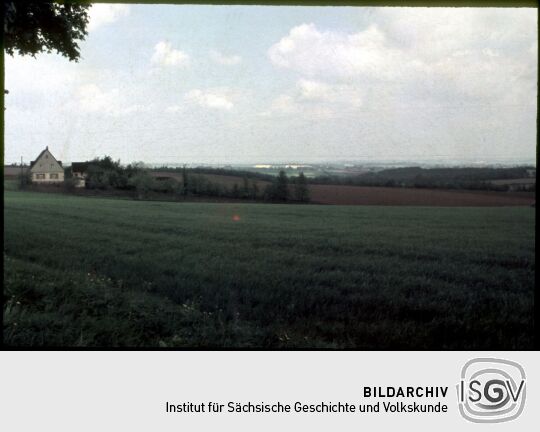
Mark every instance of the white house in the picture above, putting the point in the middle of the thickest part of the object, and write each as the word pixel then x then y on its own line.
pixel 46 169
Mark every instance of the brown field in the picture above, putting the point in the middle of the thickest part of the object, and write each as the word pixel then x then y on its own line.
pixel 524 181
pixel 360 195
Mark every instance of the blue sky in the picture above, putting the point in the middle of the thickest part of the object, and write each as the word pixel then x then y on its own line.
pixel 252 84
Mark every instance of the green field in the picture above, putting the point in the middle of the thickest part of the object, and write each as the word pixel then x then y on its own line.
pixel 104 272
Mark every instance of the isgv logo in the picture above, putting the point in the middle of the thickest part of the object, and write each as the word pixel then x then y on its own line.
pixel 491 390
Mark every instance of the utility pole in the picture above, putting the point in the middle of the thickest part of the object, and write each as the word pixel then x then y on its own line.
pixel 22 173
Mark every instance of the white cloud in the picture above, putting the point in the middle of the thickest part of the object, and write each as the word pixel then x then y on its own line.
pixel 174 109
pixel 224 59
pixel 213 98
pixel 318 91
pixel 166 55
pixel 286 105
pixel 51 73
pixel 442 55
pixel 102 14
pixel 316 100
pixel 312 53
pixel 92 99
pixel 314 90
pixel 438 32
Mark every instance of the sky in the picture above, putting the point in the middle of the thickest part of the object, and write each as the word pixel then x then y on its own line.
pixel 270 84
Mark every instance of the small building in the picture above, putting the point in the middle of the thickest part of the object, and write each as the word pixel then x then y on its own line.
pixel 13 171
pixel 46 169
pixel 531 172
pixel 79 171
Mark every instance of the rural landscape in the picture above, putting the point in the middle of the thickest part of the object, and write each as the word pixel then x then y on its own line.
pixel 112 240
pixel 90 268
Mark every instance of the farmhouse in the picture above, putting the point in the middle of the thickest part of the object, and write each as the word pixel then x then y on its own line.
pixel 46 169
pixel 79 171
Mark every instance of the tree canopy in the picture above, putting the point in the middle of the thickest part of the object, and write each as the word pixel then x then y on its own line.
pixel 32 27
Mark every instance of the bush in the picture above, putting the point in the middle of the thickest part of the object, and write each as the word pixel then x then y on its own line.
pixel 24 179
pixel 70 183
pixel 143 183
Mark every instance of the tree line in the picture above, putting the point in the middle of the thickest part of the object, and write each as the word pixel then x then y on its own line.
pixel 433 178
pixel 107 174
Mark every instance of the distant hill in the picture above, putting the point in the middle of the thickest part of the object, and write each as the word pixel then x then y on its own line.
pixel 446 178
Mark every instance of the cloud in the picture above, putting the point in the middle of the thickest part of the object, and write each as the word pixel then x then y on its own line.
pixel 213 99
pixel 417 55
pixel 438 32
pixel 166 55
pixel 50 74
pixel 174 109
pixel 319 91
pixel 314 90
pixel 312 53
pixel 286 105
pixel 102 14
pixel 314 99
pixel 92 99
pixel 225 60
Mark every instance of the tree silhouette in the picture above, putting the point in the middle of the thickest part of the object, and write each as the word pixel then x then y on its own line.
pixel 282 186
pixel 301 192
pixel 32 27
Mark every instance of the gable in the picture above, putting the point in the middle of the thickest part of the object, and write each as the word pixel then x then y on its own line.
pixel 46 163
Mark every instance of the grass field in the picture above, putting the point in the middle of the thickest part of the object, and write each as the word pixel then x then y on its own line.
pixel 104 272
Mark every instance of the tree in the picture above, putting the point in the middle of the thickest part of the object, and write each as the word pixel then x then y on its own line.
pixel 245 187
pixel 32 27
pixel 143 183
pixel 301 192
pixel 235 192
pixel 185 181
pixel 254 190
pixel 282 186
pixel 70 183
pixel 24 178
pixel 279 189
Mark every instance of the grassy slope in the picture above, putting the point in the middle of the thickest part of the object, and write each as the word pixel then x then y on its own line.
pixel 88 271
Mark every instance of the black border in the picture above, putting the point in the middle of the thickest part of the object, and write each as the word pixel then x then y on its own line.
pixel 357 3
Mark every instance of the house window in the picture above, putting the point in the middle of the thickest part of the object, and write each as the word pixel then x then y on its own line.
pixel 53 176
pixel 40 176
pixel 52 166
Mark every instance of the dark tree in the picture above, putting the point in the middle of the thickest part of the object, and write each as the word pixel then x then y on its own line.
pixel 32 27
pixel 245 188
pixel 282 186
pixel 254 190
pixel 279 189
pixel 185 181
pixel 301 192
pixel 235 191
